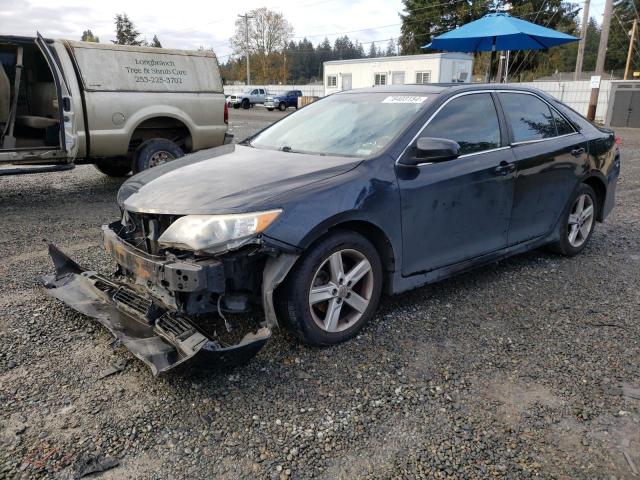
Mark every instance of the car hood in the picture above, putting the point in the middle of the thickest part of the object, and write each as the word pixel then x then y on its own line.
pixel 232 178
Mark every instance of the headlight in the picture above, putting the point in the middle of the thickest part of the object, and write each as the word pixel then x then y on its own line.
pixel 215 232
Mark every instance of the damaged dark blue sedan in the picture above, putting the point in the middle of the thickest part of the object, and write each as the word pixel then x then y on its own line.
pixel 306 223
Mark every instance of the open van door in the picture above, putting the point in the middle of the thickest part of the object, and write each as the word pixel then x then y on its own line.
pixel 68 132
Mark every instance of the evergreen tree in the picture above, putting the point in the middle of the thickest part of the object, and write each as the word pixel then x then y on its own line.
pixel 88 36
pixel 126 33
pixel 426 18
pixel 391 48
pixel 373 53
pixel 618 45
pixel 155 42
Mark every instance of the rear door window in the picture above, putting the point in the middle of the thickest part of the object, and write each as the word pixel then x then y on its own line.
pixel 530 118
pixel 562 125
pixel 470 120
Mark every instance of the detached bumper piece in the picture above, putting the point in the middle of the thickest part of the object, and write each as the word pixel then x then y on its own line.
pixel 161 338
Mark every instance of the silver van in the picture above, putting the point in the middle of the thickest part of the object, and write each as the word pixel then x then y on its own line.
pixel 122 108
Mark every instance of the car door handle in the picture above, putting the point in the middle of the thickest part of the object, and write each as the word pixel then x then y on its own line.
pixel 504 168
pixel 576 152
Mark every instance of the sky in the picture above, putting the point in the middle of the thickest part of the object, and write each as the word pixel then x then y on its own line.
pixel 190 24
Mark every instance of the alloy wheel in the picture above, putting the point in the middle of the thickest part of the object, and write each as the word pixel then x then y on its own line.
pixel 160 157
pixel 580 220
pixel 341 290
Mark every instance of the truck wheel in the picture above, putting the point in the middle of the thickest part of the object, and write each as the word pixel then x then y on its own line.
pixel 282 107
pixel 246 104
pixel 114 167
pixel 154 152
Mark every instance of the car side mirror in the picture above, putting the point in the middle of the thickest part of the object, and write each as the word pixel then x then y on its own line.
pixel 432 150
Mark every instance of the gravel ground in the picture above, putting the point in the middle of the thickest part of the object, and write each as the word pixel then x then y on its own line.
pixel 525 368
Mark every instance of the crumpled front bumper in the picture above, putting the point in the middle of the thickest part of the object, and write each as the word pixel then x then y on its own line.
pixel 160 337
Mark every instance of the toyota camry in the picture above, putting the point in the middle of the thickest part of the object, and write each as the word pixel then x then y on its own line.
pixel 306 223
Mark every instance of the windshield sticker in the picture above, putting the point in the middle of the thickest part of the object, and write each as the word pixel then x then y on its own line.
pixel 404 99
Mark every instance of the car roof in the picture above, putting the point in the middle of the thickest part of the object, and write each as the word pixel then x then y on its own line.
pixel 437 88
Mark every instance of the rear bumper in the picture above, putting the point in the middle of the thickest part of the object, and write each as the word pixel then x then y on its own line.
pixel 158 335
pixel 612 181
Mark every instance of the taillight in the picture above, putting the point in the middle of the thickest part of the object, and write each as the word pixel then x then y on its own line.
pixel 226 113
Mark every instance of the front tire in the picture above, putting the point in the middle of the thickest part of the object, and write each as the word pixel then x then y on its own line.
pixel 114 167
pixel 333 290
pixel 246 104
pixel 577 223
pixel 282 107
pixel 154 152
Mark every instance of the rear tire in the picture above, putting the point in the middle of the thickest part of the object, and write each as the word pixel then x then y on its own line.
pixel 333 290
pixel 154 152
pixel 577 223
pixel 114 167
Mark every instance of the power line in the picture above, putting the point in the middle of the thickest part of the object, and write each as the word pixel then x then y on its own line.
pixel 349 31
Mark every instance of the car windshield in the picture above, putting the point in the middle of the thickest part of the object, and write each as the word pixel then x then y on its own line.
pixel 355 124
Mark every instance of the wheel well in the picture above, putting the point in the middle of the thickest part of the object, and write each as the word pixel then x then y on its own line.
pixel 601 193
pixel 161 127
pixel 376 236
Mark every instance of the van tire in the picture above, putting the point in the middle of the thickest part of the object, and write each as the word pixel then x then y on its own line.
pixel 155 151
pixel 246 104
pixel 114 167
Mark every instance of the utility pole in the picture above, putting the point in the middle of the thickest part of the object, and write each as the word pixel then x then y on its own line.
pixel 583 40
pixel 602 53
pixel 634 29
pixel 246 18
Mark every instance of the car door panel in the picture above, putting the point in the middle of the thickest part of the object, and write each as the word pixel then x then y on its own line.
pixel 455 210
pixel 547 174
pixel 548 154
pixel 458 209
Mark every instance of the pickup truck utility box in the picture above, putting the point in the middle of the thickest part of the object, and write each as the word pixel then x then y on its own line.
pixel 122 108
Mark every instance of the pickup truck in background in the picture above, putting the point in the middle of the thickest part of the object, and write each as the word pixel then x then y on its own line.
pixel 122 108
pixel 249 97
pixel 284 101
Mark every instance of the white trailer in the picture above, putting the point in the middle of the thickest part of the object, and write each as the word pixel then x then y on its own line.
pixel 366 72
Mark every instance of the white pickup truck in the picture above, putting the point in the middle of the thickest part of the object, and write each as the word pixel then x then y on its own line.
pixel 249 97
pixel 121 108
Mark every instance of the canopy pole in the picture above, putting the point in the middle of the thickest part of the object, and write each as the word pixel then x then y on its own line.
pixel 492 61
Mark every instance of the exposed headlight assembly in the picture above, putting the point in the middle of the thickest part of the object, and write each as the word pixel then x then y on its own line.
pixel 215 233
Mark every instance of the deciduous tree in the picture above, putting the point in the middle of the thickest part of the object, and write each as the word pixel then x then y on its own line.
pixel 268 33
pixel 88 36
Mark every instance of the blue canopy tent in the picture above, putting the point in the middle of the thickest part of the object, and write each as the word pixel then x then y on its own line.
pixel 499 31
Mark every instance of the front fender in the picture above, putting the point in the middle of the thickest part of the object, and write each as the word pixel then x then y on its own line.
pixel 368 194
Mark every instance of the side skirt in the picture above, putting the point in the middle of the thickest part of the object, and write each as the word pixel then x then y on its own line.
pixel 401 284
